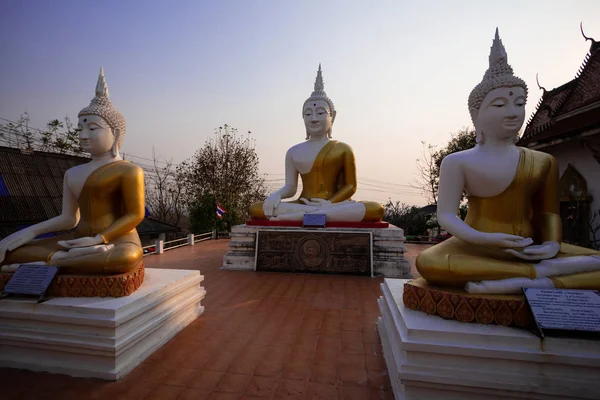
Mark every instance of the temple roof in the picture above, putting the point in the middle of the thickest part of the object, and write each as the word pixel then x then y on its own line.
pixel 571 108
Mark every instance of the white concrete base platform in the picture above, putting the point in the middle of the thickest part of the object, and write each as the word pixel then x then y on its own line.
pixel 432 358
pixel 97 337
pixel 388 248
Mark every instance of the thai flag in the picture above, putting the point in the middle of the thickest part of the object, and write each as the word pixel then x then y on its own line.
pixel 220 211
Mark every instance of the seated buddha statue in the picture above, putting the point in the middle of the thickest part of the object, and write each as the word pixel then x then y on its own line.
pixel 327 169
pixel 103 200
pixel 511 237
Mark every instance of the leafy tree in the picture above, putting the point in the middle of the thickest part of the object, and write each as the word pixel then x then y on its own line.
pixel 430 163
pixel 58 137
pixel 226 170
pixel 410 218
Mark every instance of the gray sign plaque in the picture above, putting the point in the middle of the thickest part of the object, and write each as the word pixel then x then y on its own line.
pixel 31 280
pixel 564 312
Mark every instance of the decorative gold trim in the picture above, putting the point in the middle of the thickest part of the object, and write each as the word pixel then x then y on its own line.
pixel 92 285
pixel 456 304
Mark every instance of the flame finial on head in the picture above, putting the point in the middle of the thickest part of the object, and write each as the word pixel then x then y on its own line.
pixel 101 86
pixel 103 107
pixel 497 51
pixel 319 92
pixel 319 87
pixel 499 74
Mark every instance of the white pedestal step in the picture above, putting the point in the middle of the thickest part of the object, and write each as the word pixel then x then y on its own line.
pixel 432 358
pixel 97 337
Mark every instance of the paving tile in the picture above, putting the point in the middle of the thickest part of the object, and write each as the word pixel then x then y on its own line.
pixel 194 394
pixel 353 376
pixel 353 348
pixel 233 383
pixel 352 336
pixel 223 396
pixel 379 380
pixel 381 395
pixel 245 365
pixel 370 335
pixel 354 393
pixel 206 380
pixel 220 361
pixel 321 391
pixel 372 349
pixel 352 361
pixel 180 377
pixel 164 392
pixel 324 374
pixel 269 368
pixel 297 371
pixel 260 386
pixel 375 363
pixel 291 390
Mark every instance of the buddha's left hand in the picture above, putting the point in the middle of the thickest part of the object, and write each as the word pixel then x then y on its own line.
pixel 82 242
pixel 322 203
pixel 542 251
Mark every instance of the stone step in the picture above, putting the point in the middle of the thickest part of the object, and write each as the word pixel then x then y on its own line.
pixel 96 337
pixel 433 358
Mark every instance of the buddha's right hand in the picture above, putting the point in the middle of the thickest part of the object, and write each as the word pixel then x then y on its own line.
pixel 503 240
pixel 14 241
pixel 271 203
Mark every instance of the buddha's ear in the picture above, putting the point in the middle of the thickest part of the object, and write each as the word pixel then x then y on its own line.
pixel 473 112
pixel 115 146
pixel 333 114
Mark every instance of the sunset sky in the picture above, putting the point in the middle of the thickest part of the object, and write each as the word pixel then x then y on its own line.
pixel 398 72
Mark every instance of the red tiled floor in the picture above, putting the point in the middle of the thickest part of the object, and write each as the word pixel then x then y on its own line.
pixel 263 335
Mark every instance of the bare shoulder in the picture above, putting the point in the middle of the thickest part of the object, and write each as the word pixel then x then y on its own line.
pixel 295 148
pixel 458 159
pixel 76 169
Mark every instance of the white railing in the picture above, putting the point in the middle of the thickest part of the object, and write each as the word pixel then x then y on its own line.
pixel 203 236
pixel 161 246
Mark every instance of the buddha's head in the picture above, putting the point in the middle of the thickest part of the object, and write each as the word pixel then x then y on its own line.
pixel 497 103
pixel 102 127
pixel 318 111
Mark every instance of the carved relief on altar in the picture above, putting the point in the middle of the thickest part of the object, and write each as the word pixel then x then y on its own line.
pixel 337 252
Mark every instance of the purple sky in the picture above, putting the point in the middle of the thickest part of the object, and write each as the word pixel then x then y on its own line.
pixel 397 72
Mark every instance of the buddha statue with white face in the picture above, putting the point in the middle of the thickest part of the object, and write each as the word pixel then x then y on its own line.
pixel 512 235
pixel 327 169
pixel 103 200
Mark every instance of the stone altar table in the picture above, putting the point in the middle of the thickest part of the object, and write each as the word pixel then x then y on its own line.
pixel 387 247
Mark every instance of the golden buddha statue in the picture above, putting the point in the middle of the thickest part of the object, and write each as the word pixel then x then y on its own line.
pixel 512 235
pixel 327 169
pixel 103 200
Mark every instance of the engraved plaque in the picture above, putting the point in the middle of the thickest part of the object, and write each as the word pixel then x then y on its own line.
pixel 333 252
pixel 31 280
pixel 563 312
